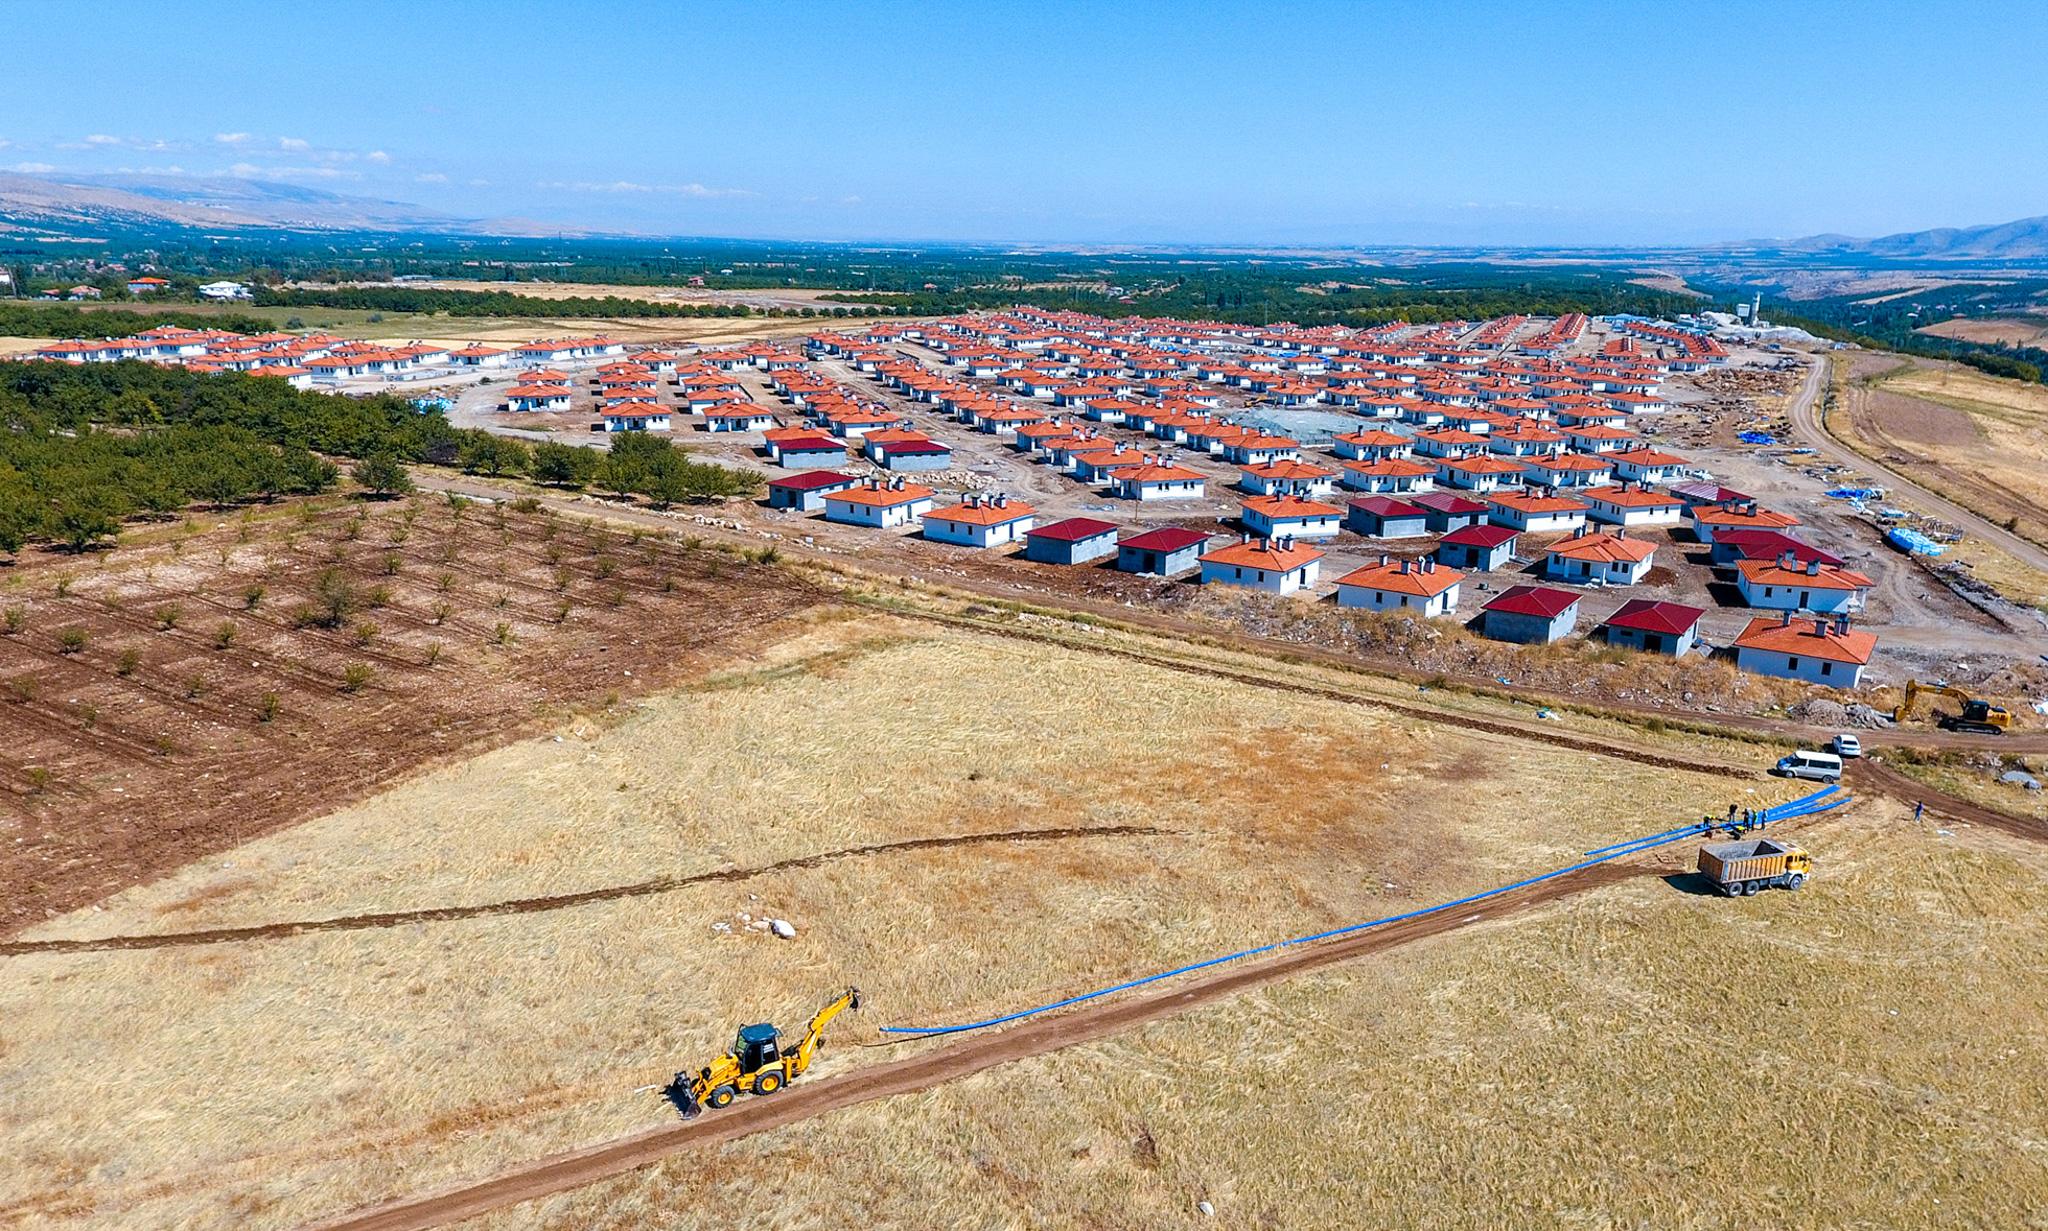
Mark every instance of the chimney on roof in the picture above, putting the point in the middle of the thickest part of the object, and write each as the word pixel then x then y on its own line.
pixel 1404 565
pixel 1383 559
pixel 1820 627
pixel 1812 566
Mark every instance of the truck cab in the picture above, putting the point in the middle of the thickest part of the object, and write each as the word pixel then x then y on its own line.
pixel 757 1047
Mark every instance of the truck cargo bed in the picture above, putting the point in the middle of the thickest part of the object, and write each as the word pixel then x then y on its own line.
pixel 1742 861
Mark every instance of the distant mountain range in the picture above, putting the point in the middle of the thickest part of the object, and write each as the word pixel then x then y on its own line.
pixel 2026 239
pixel 84 203
pixel 93 204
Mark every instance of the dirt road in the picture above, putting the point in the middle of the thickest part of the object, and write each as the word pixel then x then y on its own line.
pixel 1871 778
pixel 1807 425
pixel 925 1070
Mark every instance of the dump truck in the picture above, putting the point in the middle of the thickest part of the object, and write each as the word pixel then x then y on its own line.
pixel 1977 717
pixel 1738 869
pixel 757 1063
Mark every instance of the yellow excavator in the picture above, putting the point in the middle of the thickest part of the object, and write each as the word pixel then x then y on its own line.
pixel 757 1063
pixel 1979 716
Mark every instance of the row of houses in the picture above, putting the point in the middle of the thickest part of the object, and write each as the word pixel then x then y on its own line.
pixel 1824 650
pixel 308 358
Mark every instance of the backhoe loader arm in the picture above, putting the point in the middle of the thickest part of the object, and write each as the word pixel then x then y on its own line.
pixel 814 1034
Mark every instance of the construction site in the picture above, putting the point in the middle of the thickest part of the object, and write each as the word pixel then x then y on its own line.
pixel 931 908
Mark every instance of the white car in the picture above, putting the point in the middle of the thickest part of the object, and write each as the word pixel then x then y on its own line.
pixel 1847 746
pixel 1813 766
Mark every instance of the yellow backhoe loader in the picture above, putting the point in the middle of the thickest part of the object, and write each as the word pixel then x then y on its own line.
pixel 757 1063
pixel 1978 716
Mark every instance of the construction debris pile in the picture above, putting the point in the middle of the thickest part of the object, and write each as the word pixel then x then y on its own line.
pixel 1834 715
pixel 1746 382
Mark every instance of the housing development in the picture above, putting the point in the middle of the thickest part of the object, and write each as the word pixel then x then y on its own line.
pixel 1090 618
pixel 1291 460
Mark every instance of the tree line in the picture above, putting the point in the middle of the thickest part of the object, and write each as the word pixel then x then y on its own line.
pixel 84 448
pixel 1258 300
pixel 1893 328
pixel 29 320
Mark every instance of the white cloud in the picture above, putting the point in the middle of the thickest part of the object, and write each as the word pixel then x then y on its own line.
pixel 101 141
pixel 294 144
pixel 431 177
pixel 33 168
pixel 379 157
pixel 232 138
pixel 683 190
pixel 250 171
pixel 479 183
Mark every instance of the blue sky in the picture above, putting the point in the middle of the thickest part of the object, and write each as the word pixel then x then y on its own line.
pixel 1256 123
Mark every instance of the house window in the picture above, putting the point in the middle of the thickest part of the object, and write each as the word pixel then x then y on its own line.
pixel 1791 664
pixel 1827 668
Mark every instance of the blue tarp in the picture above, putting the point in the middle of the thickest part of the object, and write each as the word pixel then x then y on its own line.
pixel 1914 542
pixel 1755 438
pixel 1853 493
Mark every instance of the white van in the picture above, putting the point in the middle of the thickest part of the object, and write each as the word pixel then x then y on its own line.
pixel 1818 766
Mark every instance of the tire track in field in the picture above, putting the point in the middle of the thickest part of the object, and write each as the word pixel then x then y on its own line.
pixel 802 1101
pixel 560 901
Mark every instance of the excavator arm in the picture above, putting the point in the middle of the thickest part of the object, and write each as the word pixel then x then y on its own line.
pixel 814 1034
pixel 1975 714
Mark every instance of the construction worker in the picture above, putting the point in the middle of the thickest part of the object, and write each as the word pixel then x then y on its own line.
pixel 1919 806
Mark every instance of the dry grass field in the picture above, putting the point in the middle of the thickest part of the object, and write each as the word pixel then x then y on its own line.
pixel 1864 1054
pixel 1973 438
pixel 263 1082
pixel 2005 330
pixel 2003 422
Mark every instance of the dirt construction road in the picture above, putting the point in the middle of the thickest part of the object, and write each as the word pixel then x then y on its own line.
pixel 911 1074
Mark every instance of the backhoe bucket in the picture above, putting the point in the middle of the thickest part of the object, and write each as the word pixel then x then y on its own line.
pixel 681 1093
